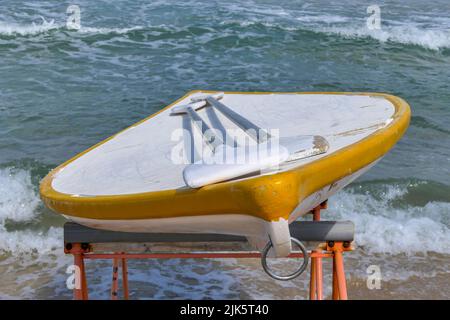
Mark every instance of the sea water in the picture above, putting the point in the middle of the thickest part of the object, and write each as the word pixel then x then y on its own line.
pixel 65 88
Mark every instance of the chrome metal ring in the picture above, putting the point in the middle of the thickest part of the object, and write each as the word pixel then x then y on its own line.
pixel 290 276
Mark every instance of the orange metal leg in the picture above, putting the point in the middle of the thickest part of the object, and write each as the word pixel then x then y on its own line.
pixel 125 278
pixel 316 281
pixel 316 213
pixel 80 291
pixel 335 283
pixel 312 280
pixel 84 280
pixel 340 274
pixel 319 278
pixel 115 280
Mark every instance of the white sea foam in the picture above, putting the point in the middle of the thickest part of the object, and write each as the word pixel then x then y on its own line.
pixel 18 199
pixel 406 34
pixel 11 29
pixel 323 18
pixel 433 39
pixel 384 228
pixel 27 241
pixel 108 30
pixel 18 203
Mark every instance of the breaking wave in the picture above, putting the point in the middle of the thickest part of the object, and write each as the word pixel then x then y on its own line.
pixel 386 225
pixel 19 204
pixel 47 26
pixel 407 35
pixel 28 241
pixel 18 199
pixel 25 30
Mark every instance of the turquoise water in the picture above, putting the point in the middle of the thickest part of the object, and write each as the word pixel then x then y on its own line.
pixel 63 90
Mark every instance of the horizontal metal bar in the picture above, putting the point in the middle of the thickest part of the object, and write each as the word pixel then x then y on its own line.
pixel 302 230
pixel 323 230
pixel 194 255
pixel 76 233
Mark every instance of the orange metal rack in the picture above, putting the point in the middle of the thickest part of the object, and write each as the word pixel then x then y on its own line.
pixel 333 249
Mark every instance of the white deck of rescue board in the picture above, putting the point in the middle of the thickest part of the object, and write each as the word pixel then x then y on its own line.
pixel 138 159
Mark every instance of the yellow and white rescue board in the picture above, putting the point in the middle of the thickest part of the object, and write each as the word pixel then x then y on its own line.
pixel 129 182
